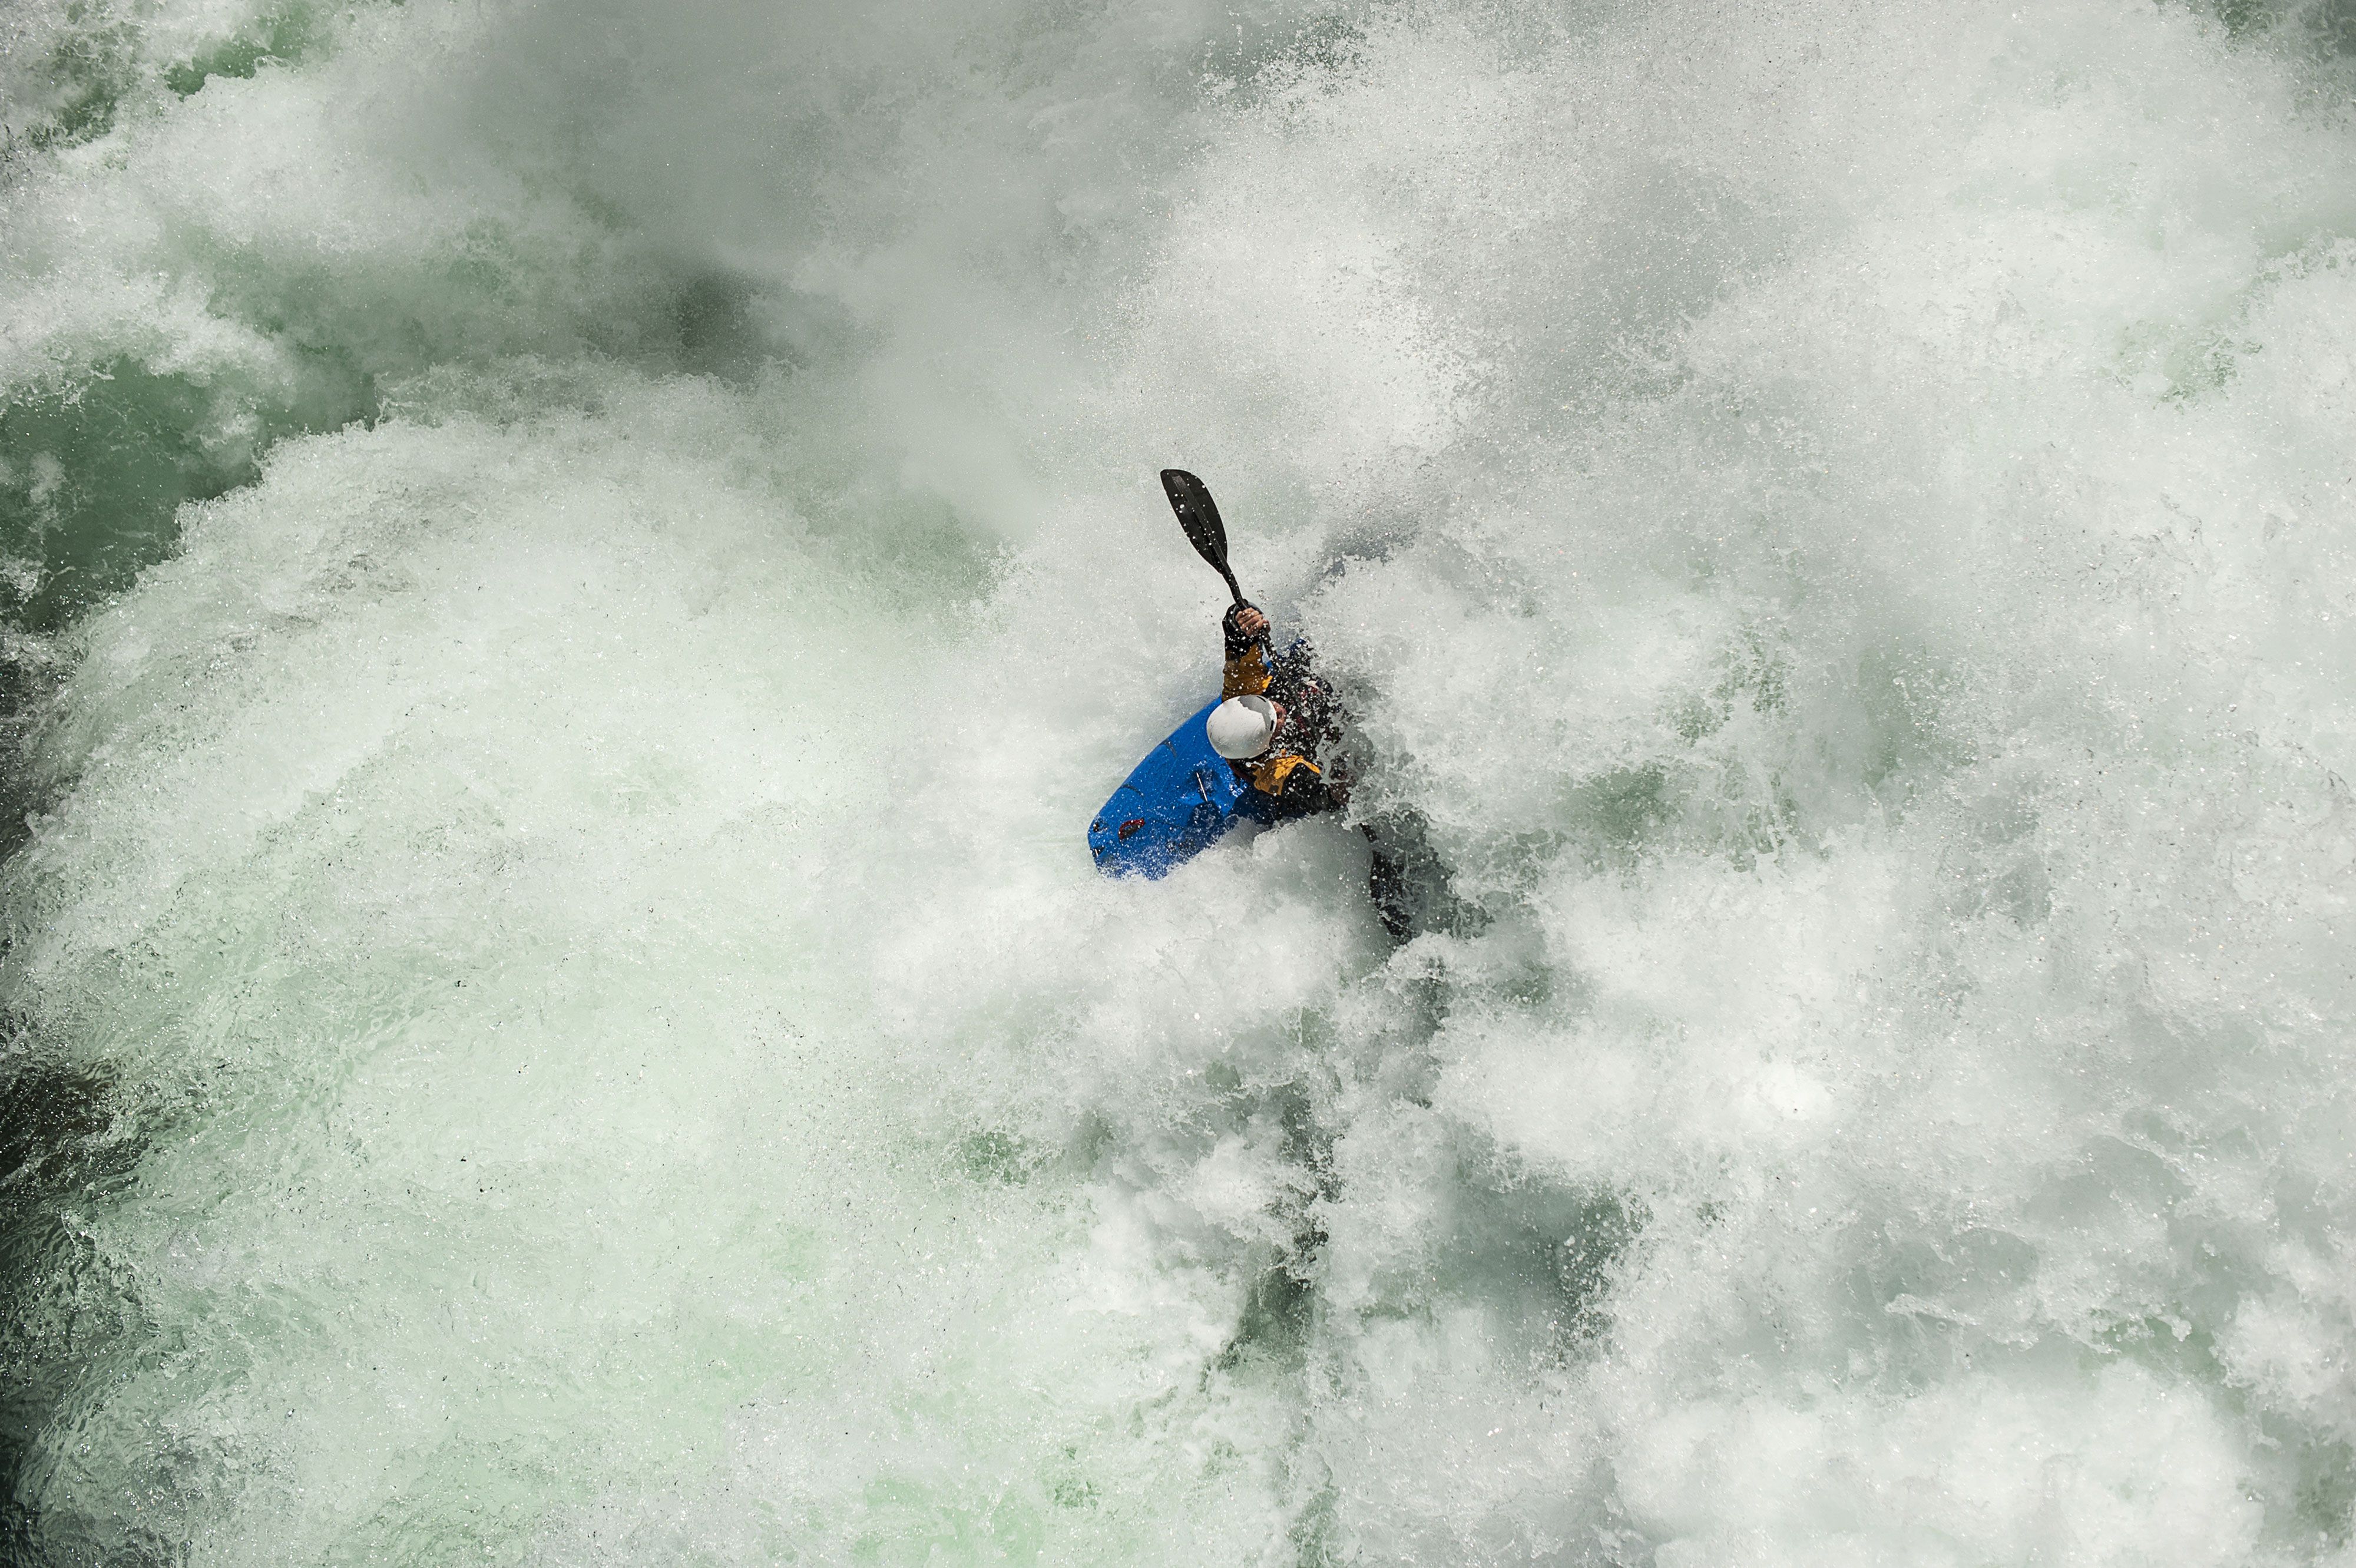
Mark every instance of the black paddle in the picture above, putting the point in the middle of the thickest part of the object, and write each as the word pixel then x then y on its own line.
pixel 1198 514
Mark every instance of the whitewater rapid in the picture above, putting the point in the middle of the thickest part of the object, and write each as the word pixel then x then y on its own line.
pixel 573 574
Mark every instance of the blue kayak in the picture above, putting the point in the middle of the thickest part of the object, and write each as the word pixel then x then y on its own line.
pixel 1172 807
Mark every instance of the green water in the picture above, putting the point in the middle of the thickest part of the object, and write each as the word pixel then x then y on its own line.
pixel 573 574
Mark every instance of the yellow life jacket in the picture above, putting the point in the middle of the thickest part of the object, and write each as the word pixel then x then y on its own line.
pixel 1267 774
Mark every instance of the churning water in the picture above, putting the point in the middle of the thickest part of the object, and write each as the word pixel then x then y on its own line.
pixel 575 574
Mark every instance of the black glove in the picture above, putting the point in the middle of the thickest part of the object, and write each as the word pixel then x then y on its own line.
pixel 1237 640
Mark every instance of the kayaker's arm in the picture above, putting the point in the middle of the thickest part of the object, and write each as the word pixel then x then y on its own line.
pixel 1247 674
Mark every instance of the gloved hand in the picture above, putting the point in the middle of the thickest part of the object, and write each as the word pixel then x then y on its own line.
pixel 1244 624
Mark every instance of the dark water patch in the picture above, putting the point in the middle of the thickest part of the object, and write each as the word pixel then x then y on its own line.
pixel 99 62
pixel 1000 1159
pixel 1412 885
pixel 717 332
pixel 92 68
pixel 2332 25
pixel 2323 1493
pixel 1602 1225
pixel 285 34
pixel 91 483
pixel 2328 26
pixel 1621 810
pixel 63 1143
pixel 1264 56
pixel 1903 698
pixel 1542 1255
pixel 1280 1306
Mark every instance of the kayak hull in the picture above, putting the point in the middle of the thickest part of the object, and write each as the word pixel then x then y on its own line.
pixel 1176 803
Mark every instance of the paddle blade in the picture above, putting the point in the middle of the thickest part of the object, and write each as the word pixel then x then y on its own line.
pixel 1198 514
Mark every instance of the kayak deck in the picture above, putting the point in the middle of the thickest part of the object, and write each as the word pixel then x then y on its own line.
pixel 1173 805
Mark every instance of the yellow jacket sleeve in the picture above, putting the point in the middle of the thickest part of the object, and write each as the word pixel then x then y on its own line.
pixel 1247 674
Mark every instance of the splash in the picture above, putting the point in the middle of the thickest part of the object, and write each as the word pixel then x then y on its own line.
pixel 572 575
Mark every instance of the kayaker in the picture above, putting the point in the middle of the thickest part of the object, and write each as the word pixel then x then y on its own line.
pixel 1277 714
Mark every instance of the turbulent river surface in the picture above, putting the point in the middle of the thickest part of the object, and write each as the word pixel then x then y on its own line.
pixel 573 574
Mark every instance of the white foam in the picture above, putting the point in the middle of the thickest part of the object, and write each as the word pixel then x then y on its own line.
pixel 1836 522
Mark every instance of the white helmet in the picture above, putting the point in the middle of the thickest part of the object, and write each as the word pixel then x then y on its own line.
pixel 1241 727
